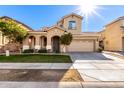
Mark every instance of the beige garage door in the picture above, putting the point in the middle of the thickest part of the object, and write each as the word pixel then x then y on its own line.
pixel 81 46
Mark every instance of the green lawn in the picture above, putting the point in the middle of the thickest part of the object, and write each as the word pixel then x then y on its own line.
pixel 38 58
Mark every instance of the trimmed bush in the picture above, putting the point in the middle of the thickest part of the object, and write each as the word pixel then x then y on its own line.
pixel 57 51
pixel 42 50
pixel 28 51
pixel 100 49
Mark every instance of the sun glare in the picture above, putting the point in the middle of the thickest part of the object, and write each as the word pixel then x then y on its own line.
pixel 87 9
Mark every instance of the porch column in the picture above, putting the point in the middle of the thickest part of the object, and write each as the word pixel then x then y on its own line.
pixel 42 42
pixel 37 42
pixel 25 44
pixel 96 45
pixel 49 47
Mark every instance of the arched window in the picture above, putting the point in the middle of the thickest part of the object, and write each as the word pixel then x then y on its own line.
pixel 72 25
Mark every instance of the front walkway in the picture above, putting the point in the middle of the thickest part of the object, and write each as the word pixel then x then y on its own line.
pixel 96 69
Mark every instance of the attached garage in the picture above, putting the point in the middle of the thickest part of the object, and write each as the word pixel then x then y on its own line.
pixel 81 46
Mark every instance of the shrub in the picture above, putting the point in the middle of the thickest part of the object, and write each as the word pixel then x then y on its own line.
pixel 28 51
pixel 42 50
pixel 57 51
pixel 100 49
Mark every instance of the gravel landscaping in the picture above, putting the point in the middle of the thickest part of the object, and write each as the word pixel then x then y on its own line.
pixel 45 75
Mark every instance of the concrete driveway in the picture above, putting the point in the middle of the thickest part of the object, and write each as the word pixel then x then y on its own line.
pixel 99 69
pixel 88 56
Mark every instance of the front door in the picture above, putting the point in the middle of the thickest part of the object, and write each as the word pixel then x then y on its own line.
pixel 56 44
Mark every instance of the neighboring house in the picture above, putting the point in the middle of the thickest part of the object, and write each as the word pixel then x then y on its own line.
pixel 112 38
pixel 113 35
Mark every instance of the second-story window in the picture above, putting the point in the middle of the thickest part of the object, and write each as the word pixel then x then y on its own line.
pixel 72 25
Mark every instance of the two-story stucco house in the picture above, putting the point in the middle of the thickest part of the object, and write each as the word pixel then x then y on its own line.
pixel 49 37
pixel 112 37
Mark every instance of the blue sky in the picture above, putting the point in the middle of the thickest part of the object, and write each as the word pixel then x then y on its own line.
pixel 47 15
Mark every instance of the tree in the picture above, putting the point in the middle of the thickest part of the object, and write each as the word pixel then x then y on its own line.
pixel 66 39
pixel 12 30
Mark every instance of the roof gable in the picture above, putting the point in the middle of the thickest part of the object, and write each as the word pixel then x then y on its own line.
pixel 6 17
pixel 73 14
pixel 69 15
pixel 55 26
pixel 120 18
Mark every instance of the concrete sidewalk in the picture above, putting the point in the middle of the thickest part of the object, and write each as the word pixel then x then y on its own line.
pixel 6 84
pixel 36 66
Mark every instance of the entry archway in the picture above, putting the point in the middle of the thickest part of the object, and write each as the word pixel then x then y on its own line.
pixel 43 41
pixel 31 42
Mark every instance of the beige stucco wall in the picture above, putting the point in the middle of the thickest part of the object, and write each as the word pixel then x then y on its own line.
pixel 78 21
pixel 113 36
pixel 37 36
pixel 49 34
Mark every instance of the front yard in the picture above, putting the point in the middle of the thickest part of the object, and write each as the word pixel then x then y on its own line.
pixel 38 58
